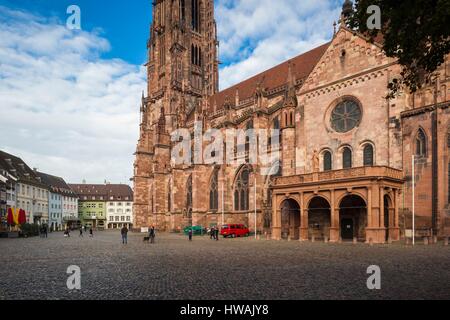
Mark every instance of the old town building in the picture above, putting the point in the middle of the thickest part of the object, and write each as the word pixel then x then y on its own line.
pixel 104 206
pixel 344 169
pixel 63 202
pixel 30 193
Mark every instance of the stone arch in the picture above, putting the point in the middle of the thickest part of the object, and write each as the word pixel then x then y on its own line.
pixel 319 217
pixel 290 219
pixel 389 214
pixel 353 216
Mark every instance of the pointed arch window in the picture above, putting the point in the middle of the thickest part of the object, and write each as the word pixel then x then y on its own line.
pixel 189 192
pixel 195 15
pixel 214 191
pixel 346 158
pixel 368 155
pixel 327 161
pixel 421 144
pixel 241 190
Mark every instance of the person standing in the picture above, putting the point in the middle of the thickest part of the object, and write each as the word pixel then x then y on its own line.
pixel 216 232
pixel 124 233
pixel 91 232
pixel 211 233
pixel 152 234
pixel 190 234
pixel 81 233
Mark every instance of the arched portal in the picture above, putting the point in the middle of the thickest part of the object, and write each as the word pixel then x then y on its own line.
pixel 353 218
pixel 290 219
pixel 388 215
pixel 319 218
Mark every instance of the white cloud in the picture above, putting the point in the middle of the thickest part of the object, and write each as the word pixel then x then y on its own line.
pixel 63 108
pixel 275 30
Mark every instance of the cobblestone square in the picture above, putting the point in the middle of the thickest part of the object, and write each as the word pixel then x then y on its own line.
pixel 175 268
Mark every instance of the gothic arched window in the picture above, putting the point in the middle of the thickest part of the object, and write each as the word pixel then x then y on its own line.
pixel 189 193
pixel 327 161
pixel 241 190
pixel 346 158
pixel 195 15
pixel 421 144
pixel 368 155
pixel 214 191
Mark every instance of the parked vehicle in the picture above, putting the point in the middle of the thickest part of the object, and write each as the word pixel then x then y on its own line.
pixel 234 230
pixel 196 230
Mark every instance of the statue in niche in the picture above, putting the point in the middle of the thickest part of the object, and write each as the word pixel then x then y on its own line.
pixel 315 161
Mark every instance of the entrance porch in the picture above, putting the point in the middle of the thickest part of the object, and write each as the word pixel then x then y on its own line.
pixel 351 204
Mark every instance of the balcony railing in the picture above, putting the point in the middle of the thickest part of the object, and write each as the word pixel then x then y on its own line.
pixel 344 174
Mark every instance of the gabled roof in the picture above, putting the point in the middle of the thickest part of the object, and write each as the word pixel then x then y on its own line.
pixel 16 167
pixel 103 192
pixel 56 184
pixel 273 78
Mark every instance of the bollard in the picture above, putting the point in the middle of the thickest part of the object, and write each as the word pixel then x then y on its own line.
pixel 340 240
pixel 446 241
pixel 313 239
pixel 355 240
pixel 289 238
pixel 435 239
pixel 371 242
pixel 425 241
pixel 408 242
pixel 325 239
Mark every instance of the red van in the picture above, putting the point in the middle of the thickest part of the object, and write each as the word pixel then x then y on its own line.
pixel 234 230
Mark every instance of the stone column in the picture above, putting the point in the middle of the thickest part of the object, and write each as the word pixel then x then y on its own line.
pixel 334 229
pixel 276 219
pixel 304 228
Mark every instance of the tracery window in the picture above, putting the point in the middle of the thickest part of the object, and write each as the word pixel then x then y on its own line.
pixel 346 116
pixel 189 192
pixel 421 144
pixel 241 190
pixel 214 191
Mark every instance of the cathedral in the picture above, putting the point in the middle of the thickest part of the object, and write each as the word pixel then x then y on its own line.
pixel 352 164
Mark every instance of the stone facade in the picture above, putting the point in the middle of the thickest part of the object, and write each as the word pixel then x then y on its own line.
pixel 343 150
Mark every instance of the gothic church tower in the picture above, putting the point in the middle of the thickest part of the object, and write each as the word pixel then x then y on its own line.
pixel 182 73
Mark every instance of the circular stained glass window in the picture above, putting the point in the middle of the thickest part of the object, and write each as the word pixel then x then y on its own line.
pixel 346 116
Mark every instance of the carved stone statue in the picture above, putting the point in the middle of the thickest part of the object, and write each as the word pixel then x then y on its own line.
pixel 315 161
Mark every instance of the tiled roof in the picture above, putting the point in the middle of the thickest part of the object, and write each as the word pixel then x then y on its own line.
pixel 273 78
pixel 103 192
pixel 16 167
pixel 56 184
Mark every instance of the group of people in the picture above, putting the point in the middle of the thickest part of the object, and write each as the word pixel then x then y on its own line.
pixel 214 233
pixel 91 232
pixel 151 234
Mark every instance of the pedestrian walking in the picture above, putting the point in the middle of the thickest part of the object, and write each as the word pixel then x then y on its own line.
pixel 91 232
pixel 216 233
pixel 45 231
pixel 152 234
pixel 211 233
pixel 81 233
pixel 124 233
pixel 190 234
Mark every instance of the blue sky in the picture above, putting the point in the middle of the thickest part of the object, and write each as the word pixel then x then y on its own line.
pixel 70 99
pixel 124 23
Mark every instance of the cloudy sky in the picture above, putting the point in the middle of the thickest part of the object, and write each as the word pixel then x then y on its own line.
pixel 69 99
